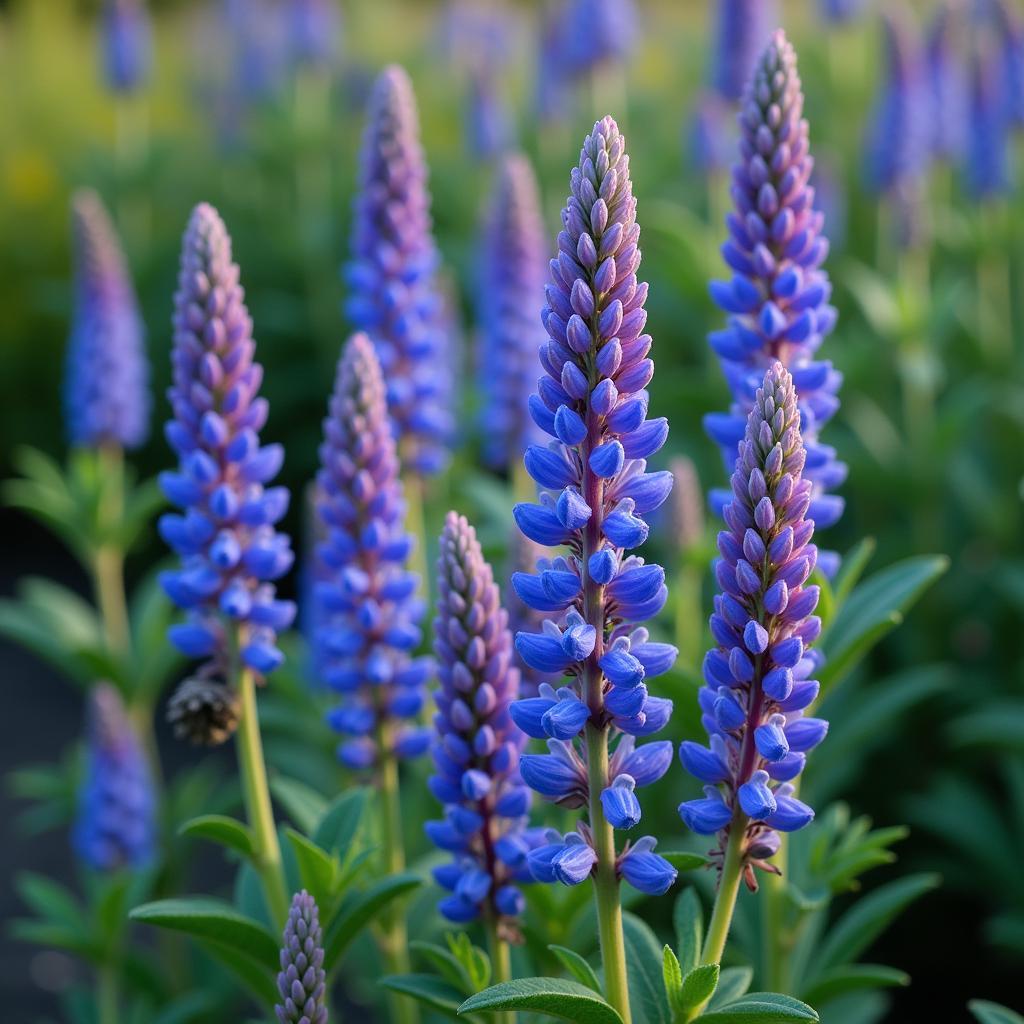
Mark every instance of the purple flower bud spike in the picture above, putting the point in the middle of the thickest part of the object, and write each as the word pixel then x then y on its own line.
pixel 513 263
pixel 778 298
pixel 127 44
pixel 115 823
pixel 476 745
pixel 595 493
pixel 392 293
pixel 302 981
pixel 756 679
pixel 988 137
pixel 225 533
pixel 106 386
pixel 367 613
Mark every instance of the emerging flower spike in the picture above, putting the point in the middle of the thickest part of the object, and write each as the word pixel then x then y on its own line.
pixel 230 551
pixel 391 277
pixel 595 494
pixel 476 745
pixel 106 386
pixel 302 981
pixel 367 618
pixel 777 300
pixel 741 27
pixel 513 263
pixel 115 824
pixel 126 44
pixel 757 678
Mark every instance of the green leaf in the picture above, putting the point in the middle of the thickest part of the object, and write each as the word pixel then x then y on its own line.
pixel 55 936
pixel 854 978
pixel 219 828
pixel 577 966
pixel 999 725
pixel 688 921
pixel 992 1013
pixel 854 563
pixel 699 986
pixel 251 972
pixel 643 959
pixel 317 868
pixel 50 900
pixel 337 828
pixel 555 997
pixel 875 607
pixel 868 918
pixel 305 806
pixel 360 910
pixel 445 963
pixel 475 962
pixel 187 1008
pixel 760 1008
pixel 683 860
pixel 434 992
pixel 207 918
pixel 732 983
pixel 672 976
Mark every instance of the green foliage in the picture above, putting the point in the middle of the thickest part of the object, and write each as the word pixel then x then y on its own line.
pixel 552 997
pixel 992 1013
pixel 760 1008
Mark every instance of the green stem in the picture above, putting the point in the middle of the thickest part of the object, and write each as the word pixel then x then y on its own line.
pixel 728 890
pixel 501 966
pixel 606 884
pixel 107 994
pixel 775 938
pixel 416 524
pixel 394 939
pixel 108 557
pixel 689 621
pixel 256 792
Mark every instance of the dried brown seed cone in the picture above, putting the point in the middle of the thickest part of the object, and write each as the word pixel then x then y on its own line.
pixel 203 711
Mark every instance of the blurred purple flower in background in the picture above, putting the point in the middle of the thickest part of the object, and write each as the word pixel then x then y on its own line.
pixel 313 28
pixel 778 298
pixel 711 134
pixel 391 278
pixel 302 980
pixel 947 81
pixel 841 12
pixel 489 128
pixel 230 551
pixel 367 617
pixel 988 134
pixel 476 745
pixel 1009 30
pixel 597 32
pixel 127 44
pixel 106 377
pixel 115 823
pixel 741 28
pixel 513 262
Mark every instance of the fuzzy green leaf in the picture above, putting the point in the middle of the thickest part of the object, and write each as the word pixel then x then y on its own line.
pixel 445 963
pixel 577 966
pixel 643 959
pixel 688 921
pixel 732 983
pixel 761 1008
pixel 554 997
pixel 219 828
pixel 672 976
pixel 699 986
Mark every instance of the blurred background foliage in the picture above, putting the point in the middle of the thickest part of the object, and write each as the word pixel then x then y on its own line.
pixel 931 728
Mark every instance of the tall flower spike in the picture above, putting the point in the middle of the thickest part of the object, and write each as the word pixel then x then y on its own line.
pixel 512 259
pixel 740 29
pixel 947 85
pixel 230 551
pixel 367 615
pixel 595 493
pixel 127 44
pixel 988 139
pixel 757 678
pixel 313 27
pixel 476 745
pixel 391 277
pixel 777 300
pixel 597 32
pixel 115 823
pixel 106 386
pixel 302 980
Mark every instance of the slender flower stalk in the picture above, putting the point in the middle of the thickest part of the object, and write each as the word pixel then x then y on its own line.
pixel 757 679
pixel 593 403
pixel 115 825
pixel 476 748
pixel 230 551
pixel 391 276
pixel 777 298
pixel 302 980
pixel 367 618
pixel 512 272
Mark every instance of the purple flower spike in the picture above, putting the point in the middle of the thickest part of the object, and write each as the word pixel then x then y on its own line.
pixel 488 121
pixel 756 680
pixel 947 82
pixel 302 981
pixel 391 278
pixel 988 140
pixel 1009 31
pixel 313 27
pixel 367 613
pixel 106 386
pixel 595 493
pixel 115 824
pixel 513 263
pixel 597 32
pixel 476 746
pixel 226 537
pixel 777 300
pixel 841 12
pixel 741 26
pixel 127 44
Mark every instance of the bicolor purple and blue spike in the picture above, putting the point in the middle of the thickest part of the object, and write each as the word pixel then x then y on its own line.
pixel 225 531
pixel 391 278
pixel 476 745
pixel 758 676
pixel 367 613
pixel 595 493
pixel 777 300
